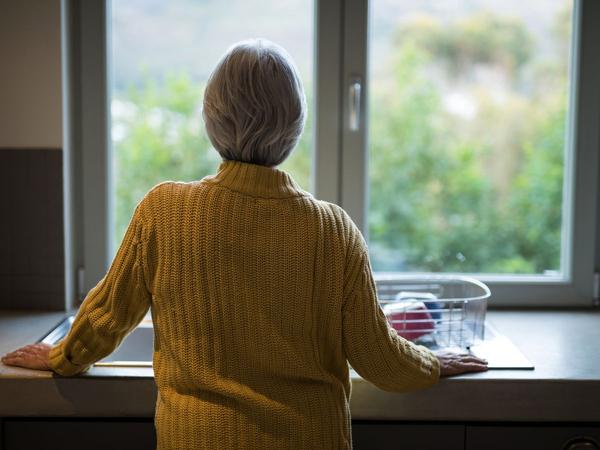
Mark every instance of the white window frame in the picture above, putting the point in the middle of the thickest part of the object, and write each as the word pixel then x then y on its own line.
pixel 340 157
pixel 575 287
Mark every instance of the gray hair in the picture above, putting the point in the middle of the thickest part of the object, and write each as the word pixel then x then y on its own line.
pixel 254 105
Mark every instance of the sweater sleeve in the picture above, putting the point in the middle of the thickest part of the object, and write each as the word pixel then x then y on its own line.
pixel 372 346
pixel 112 309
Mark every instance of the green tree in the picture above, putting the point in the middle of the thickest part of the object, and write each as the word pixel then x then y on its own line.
pixel 480 38
pixel 481 194
pixel 160 137
pixel 431 207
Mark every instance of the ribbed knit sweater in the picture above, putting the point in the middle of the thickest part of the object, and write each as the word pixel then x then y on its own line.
pixel 260 296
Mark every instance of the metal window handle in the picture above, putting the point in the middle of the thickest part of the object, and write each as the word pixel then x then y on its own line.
pixel 354 113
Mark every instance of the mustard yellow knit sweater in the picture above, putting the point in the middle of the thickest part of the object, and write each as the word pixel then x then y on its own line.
pixel 260 296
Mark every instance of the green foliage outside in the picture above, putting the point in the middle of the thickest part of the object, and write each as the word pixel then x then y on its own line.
pixel 447 194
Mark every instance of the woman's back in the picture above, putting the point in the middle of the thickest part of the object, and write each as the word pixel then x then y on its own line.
pixel 250 279
pixel 247 285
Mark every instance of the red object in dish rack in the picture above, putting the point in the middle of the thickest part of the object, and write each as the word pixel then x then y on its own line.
pixel 410 318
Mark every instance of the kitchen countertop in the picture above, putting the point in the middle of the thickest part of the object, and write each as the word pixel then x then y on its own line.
pixel 564 346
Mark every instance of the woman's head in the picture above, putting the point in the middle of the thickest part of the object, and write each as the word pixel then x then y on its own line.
pixel 254 105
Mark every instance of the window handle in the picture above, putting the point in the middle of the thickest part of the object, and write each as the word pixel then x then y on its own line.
pixel 354 113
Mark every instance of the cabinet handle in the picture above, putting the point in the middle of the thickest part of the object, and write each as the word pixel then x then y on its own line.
pixel 354 104
pixel 581 444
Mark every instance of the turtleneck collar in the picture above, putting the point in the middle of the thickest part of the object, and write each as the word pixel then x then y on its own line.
pixel 255 180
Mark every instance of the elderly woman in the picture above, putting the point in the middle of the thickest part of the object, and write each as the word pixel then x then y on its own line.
pixel 260 293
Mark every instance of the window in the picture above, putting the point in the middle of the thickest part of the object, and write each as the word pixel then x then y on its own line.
pixel 468 111
pixel 158 81
pixel 461 137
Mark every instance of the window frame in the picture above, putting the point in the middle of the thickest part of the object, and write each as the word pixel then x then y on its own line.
pixel 576 286
pixel 340 158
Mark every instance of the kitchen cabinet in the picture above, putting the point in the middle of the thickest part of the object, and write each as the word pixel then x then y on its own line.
pixel 77 434
pixel 134 434
pixel 533 437
pixel 368 435
pixel 138 433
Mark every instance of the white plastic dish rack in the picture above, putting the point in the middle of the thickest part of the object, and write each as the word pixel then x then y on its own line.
pixel 436 311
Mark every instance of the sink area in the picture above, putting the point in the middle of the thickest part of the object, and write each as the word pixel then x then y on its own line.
pixel 136 350
pixel 563 388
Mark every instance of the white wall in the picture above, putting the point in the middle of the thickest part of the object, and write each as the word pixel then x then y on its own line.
pixel 30 74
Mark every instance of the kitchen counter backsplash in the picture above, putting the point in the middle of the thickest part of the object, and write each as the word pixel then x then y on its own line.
pixel 31 229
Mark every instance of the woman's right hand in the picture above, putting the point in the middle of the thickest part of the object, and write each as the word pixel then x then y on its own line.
pixel 456 363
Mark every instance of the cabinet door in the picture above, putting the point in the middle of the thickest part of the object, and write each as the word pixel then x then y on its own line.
pixel 528 437
pixel 89 434
pixel 376 435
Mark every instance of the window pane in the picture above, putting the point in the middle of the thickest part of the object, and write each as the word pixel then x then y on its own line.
pixel 162 54
pixel 467 126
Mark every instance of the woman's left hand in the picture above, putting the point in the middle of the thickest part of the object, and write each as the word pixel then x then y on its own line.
pixel 32 356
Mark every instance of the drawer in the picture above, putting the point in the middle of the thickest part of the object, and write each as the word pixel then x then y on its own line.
pixel 383 435
pixel 529 437
pixel 89 434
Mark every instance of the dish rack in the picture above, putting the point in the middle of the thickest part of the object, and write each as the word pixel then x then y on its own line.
pixel 435 311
